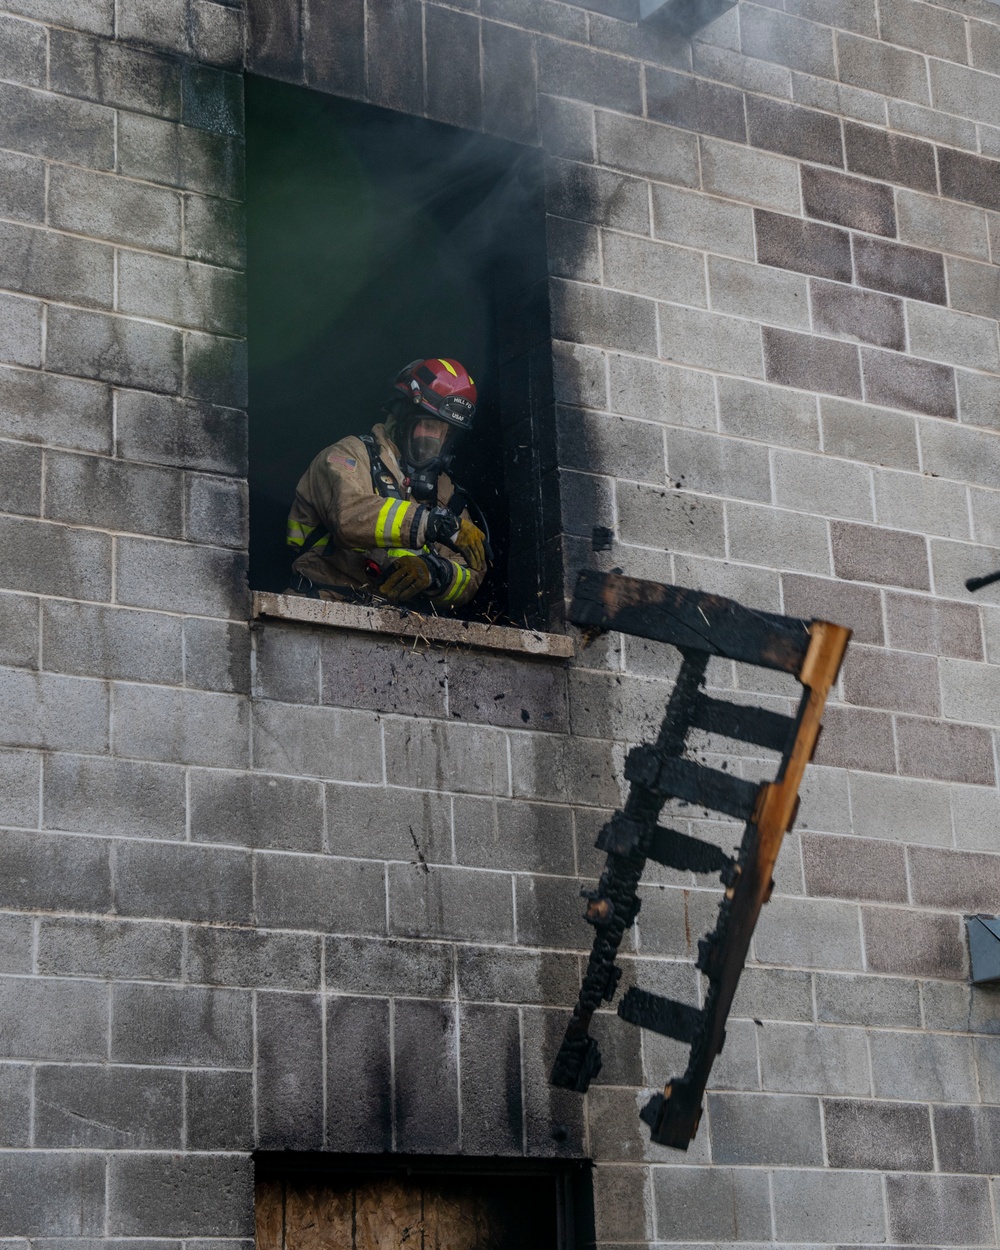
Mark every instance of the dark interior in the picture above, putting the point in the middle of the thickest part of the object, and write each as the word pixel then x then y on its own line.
pixel 375 238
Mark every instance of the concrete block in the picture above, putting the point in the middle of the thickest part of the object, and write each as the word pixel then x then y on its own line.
pixel 928 944
pixel 948 1210
pixel 163 1195
pixel 181 292
pixel 696 220
pixel 934 31
pixel 516 836
pixel 45 408
pixel 935 125
pixel 114 74
pixel 774 994
pixel 899 270
pixel 942 225
pixel 473 759
pixel 453 38
pixel 799 1058
pixel 966 689
pixel 789 540
pixel 113 495
pixel 52 1193
pixel 379 823
pixel 181 726
pixel 933 626
pixel 621 1202
pixel 603 318
pixel 109 949
pixel 958 453
pixel 183 882
pixel 815 484
pixel 695 104
pixel 787 40
pixel 987 1056
pixel 119 798
pixel 598 443
pixel 359 1074
pixel 967 1138
pixel 107 1108
pixel 57 127
pixel 655 392
pixel 510 99
pixel 964 91
pixel 616 1132
pixel 218 1109
pixel 955 880
pixel 181 1026
pixel 646 267
pixel 902 809
pixel 107 642
pixel 550 915
pixel 721 64
pixel 20 640
pixel 953 338
pixel 765 1129
pixel 858 607
pixel 458 903
pixel 19 788
pixel 25 52
pixel 214 231
pixel 825 806
pixel 854 869
pixel 746 174
pixel 554 1118
pixel 809 933
pixel 162 24
pixel 15 1103
pixel 875 435
pixel 846 1206
pixel 319 893
pixel 289 1071
pixel 945 751
pixel 587 194
pixel 880 67
pixel 835 97
pixel 217 37
pixel 22 187
pixel 578 73
pixel 401 969
pixel 573 249
pixel 875 1135
pixel 213 99
pixel 699 1204
pixel 115 209
pixel 640 147
pixel 383 675
pixel 186 158
pixel 974 813
pixel 811 364
pixel 271 813
pixel 46 264
pixel 425 1049
pixel 286 663
pixel 515 976
pixel 871 1001
pixel 972 287
pixel 955 562
pixel 215 369
pixel 670 520
pixel 216 511
pixel 863 553
pixel 21 327
pixel 969 178
pixel 864 316
pixel 34 1018
pixel 851 202
pixel 767 414
pixel 580 376
pixel 289 739
pixel 567 127
pixel 770 295
pixel 217 656
pixel 794 131
pixel 218 956
pixel 896 680
pixel 709 340
pixel 564 769
pixel 208 581
pixel 58 713
pixel 114 349
pixel 706 463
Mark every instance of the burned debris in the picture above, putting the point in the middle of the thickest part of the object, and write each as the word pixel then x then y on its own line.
pixel 700 626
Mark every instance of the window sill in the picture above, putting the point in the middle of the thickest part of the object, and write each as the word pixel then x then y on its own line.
pixel 430 629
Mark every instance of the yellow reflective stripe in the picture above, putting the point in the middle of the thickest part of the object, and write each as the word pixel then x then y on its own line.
pixel 397 552
pixel 382 520
pixel 320 543
pixel 398 519
pixel 298 533
pixel 451 369
pixel 462 577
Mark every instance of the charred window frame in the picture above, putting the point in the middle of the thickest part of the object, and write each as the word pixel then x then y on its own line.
pixel 375 238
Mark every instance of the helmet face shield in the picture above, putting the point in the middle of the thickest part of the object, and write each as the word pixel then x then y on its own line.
pixel 425 439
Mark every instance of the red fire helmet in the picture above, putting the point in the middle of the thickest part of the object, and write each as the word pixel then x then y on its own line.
pixel 442 387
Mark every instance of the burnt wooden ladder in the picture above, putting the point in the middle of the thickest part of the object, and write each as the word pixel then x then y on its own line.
pixel 700 626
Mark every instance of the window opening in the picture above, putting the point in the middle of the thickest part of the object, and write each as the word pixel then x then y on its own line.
pixel 376 239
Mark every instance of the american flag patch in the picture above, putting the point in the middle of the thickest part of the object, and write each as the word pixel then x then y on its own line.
pixel 345 462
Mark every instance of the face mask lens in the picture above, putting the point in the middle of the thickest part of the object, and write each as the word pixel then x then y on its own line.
pixel 425 440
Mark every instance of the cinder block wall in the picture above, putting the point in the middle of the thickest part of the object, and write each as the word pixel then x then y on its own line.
pixel 303 889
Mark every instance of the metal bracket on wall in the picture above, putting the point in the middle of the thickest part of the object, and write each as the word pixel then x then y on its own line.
pixel 682 17
pixel 984 949
pixel 700 626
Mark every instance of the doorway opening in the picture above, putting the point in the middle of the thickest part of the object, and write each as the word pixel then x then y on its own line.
pixel 374 239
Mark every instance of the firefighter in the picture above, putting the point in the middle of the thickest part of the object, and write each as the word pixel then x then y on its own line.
pixel 377 514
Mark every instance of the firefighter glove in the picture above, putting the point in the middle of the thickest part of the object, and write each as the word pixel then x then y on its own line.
pixel 459 534
pixel 410 576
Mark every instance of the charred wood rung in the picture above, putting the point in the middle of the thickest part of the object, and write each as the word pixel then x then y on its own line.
pixel 700 626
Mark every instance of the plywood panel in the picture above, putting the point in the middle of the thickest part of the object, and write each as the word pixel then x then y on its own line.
pixel 318 1217
pixel 268 1202
pixel 388 1216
